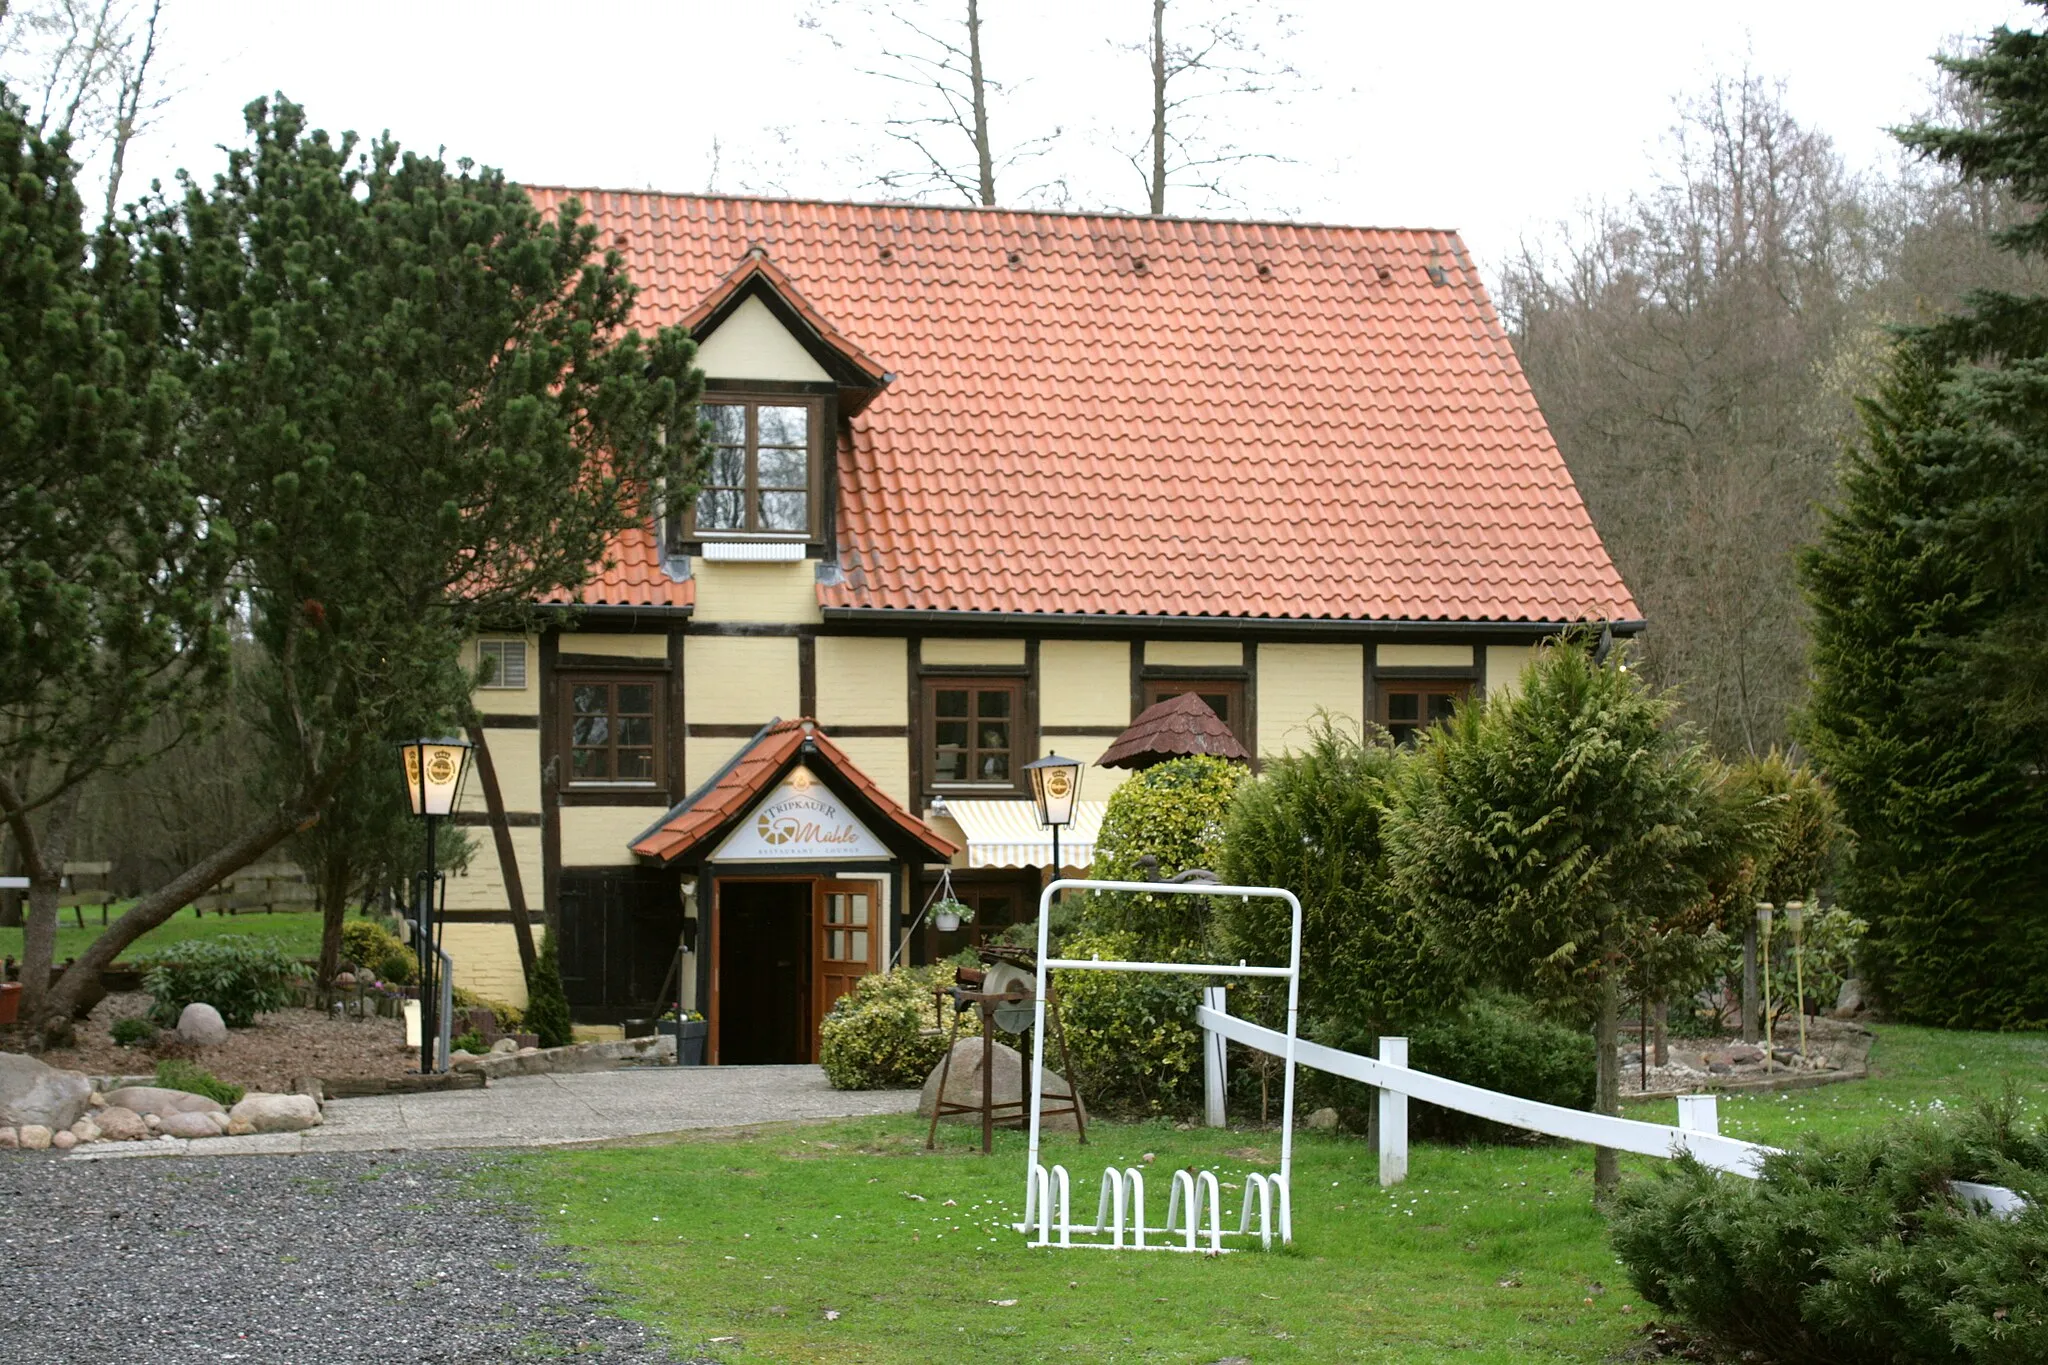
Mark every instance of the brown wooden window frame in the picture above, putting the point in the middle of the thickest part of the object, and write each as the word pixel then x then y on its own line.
pixel 566 745
pixel 817 450
pixel 1459 690
pixel 1019 749
pixel 1156 690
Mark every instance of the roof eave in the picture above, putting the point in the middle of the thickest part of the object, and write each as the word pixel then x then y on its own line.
pixel 888 618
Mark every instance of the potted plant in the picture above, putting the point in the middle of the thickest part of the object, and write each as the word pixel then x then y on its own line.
pixel 949 914
pixel 689 1030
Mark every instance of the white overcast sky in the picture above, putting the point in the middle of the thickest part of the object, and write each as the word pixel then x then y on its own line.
pixel 1494 118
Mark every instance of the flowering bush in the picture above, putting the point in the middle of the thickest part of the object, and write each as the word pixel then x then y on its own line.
pixel 883 1034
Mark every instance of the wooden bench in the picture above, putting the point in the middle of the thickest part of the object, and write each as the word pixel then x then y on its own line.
pixel 87 884
pixel 262 888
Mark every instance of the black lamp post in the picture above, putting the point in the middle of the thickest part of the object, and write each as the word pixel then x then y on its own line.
pixel 1056 787
pixel 433 776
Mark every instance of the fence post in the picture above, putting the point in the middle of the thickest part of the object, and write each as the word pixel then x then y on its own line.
pixel 1214 1047
pixel 1393 1112
pixel 1700 1114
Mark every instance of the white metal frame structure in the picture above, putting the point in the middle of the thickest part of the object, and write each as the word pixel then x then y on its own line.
pixel 1195 1196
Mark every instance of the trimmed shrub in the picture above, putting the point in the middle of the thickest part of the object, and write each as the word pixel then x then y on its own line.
pixel 505 1018
pixel 375 949
pixel 1500 1042
pixel 547 1004
pixel 1132 1035
pixel 173 1074
pixel 240 977
pixel 1854 1252
pixel 1173 811
pixel 471 1042
pixel 133 1030
pixel 880 1035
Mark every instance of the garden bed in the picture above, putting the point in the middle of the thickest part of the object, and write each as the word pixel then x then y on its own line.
pixel 1835 1051
pixel 276 1052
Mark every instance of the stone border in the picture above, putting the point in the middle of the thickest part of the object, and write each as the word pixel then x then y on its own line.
pixel 1862 1040
pixel 552 1061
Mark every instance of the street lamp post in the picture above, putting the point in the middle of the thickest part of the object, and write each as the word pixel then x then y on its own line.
pixel 1056 787
pixel 433 775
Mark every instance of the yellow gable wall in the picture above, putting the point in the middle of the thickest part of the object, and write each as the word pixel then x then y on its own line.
pixel 1006 652
pixel 1084 682
pixel 862 681
pixel 751 344
pixel 705 757
pixel 1504 665
pixel 647 646
pixel 486 958
pixel 480 887
pixel 602 836
pixel 1296 680
pixel 885 761
pixel 739 679
pixel 756 592
pixel 515 758
pixel 1096 783
pixel 1425 656
pixel 1194 653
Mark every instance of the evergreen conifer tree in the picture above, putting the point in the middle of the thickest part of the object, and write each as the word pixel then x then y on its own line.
pixel 547 1005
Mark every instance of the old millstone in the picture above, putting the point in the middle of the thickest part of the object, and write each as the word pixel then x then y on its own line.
pixel 32 1092
pixel 275 1113
pixel 153 1099
pixel 201 1025
pixel 963 1085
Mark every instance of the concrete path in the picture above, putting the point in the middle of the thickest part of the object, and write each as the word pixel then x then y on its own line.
pixel 541 1111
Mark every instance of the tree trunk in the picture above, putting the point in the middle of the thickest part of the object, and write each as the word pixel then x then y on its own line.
pixel 43 853
pixel 981 144
pixel 1662 1020
pixel 11 863
pixel 1158 107
pixel 508 859
pixel 52 1021
pixel 335 876
pixel 1607 1088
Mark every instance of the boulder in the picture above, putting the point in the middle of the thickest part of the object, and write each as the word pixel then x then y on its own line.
pixel 1324 1120
pixel 32 1092
pixel 119 1124
pixel 34 1137
pixel 85 1130
pixel 154 1099
pixel 505 1046
pixel 8 1140
pixel 1850 1002
pixel 191 1125
pixel 240 1127
pixel 963 1085
pixel 96 1101
pixel 201 1025
pixel 275 1113
pixel 63 1139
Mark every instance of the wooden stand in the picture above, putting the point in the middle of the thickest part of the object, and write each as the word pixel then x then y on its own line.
pixel 1015 1111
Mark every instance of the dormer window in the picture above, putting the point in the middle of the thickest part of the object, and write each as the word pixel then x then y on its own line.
pixel 763 478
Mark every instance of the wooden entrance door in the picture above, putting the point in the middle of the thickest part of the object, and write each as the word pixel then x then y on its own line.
pixel 848 933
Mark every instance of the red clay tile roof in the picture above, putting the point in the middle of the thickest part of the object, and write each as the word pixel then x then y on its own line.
pixel 633 576
pixel 1098 414
pixel 760 764
pixel 1172 728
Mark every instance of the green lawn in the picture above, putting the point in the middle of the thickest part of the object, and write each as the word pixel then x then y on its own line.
pixel 804 1243
pixel 297 931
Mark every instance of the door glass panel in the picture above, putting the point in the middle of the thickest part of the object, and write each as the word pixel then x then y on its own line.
pixel 860 946
pixel 835 909
pixel 860 909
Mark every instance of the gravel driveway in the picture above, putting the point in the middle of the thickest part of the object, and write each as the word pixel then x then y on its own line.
pixel 325 1258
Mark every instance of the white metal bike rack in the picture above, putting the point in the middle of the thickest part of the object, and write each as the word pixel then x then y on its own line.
pixel 1195 1196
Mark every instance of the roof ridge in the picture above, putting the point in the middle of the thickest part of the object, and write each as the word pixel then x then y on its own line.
pixel 1305 224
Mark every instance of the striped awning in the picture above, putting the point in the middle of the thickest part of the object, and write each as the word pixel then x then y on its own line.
pixel 1007 833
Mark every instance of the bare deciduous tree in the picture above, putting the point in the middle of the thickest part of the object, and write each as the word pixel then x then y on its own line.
pixel 86 64
pixel 1213 55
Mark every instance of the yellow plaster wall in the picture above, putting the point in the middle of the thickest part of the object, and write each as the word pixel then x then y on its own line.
pixel 515 757
pixel 616 646
pixel 1010 652
pixel 1425 656
pixel 751 344
pixel 739 591
pixel 1296 680
pixel 601 836
pixel 510 701
pixel 1504 665
pixel 738 679
pixel 861 681
pixel 486 958
pixel 1194 653
pixel 1084 682
pixel 481 887
pixel 885 761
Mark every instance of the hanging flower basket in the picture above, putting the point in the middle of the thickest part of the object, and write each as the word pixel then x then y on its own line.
pixel 949 914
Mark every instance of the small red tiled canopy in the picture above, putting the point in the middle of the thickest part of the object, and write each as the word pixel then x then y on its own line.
pixel 1173 728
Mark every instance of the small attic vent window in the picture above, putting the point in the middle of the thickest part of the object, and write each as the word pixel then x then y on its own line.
pixel 1438 275
pixel 1265 270
pixel 1138 264
pixel 503 663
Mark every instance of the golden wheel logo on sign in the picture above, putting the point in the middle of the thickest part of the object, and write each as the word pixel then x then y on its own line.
pixel 775 833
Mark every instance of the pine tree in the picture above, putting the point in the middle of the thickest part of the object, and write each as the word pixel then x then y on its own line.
pixel 1948 819
pixel 547 1005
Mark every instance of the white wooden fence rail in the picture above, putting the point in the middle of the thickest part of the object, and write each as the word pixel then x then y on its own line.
pixel 1698 1130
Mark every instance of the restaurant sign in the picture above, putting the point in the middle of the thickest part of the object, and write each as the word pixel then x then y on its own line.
pixel 800 820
